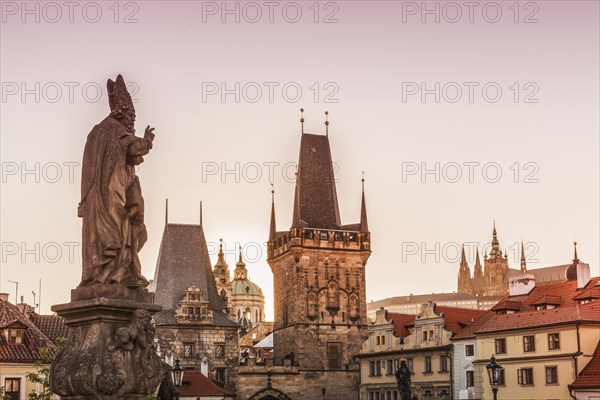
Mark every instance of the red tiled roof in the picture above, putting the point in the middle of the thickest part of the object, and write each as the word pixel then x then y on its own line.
pixel 548 299
pixel 32 341
pixel 588 293
pixel 52 326
pixel 589 378
pixel 506 304
pixel 528 316
pixel 196 384
pixel 400 321
pixel 456 319
pixel 469 331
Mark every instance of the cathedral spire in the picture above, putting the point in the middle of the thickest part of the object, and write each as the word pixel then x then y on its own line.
pixel 241 272
pixel 523 262
pixel 478 270
pixel 463 258
pixel 364 225
pixel 273 227
pixel 495 252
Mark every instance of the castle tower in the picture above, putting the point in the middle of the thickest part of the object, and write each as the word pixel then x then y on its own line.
pixel 318 270
pixel 464 274
pixel 496 269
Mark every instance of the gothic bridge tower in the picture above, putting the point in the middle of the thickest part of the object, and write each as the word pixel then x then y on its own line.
pixel 318 270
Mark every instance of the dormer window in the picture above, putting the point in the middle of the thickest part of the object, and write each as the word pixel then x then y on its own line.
pixel 15 336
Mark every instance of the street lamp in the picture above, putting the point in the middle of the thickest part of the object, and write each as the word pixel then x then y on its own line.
pixel 494 369
pixel 177 375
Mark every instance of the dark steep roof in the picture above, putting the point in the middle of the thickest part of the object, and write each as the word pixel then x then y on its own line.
pixel 315 202
pixel 182 259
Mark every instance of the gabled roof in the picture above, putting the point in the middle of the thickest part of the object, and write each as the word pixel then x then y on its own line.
pixel 589 293
pixel 315 200
pixel 506 304
pixel 527 316
pixel 469 331
pixel 33 339
pixel 589 377
pixel 182 259
pixel 196 384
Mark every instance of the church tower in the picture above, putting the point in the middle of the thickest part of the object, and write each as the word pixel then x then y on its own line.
pixel 318 270
pixel 221 271
pixel 496 269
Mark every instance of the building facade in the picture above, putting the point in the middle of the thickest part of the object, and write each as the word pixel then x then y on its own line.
pixel 423 341
pixel 543 336
pixel 24 335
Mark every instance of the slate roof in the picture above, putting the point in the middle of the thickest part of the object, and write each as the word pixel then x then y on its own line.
pixel 589 377
pixel 196 384
pixel 182 259
pixel 315 200
pixel 32 342
pixel 527 316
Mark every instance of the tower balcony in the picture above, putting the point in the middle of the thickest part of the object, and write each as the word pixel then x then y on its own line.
pixel 319 239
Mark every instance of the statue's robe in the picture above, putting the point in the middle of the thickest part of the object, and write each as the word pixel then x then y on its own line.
pixel 112 206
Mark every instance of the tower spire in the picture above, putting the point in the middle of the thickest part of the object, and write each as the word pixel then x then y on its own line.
pixel 575 258
pixel 364 225
pixel 302 119
pixel 463 258
pixel 523 262
pixel 326 123
pixel 495 252
pixel 273 227
pixel 200 212
pixel 166 211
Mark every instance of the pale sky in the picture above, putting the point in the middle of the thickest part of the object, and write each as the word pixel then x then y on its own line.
pixel 517 94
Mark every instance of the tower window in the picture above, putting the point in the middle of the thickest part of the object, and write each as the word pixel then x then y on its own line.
pixel 334 355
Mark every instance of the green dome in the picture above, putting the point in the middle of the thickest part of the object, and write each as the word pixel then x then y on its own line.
pixel 245 287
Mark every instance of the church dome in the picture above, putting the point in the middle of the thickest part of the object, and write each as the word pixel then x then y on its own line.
pixel 245 287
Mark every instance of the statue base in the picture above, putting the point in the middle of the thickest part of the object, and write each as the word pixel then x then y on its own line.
pixel 110 354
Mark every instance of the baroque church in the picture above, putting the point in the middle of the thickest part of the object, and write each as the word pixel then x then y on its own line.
pixel 318 267
pixel 246 299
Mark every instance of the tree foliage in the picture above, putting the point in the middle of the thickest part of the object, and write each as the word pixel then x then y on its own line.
pixel 41 376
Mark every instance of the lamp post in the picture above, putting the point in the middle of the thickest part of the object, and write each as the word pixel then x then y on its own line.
pixel 493 369
pixel 177 375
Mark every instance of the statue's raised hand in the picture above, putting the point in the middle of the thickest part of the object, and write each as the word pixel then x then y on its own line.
pixel 149 134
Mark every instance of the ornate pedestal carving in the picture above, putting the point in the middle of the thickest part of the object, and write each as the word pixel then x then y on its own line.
pixel 110 354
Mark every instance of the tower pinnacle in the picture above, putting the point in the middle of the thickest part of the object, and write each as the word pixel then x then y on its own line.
pixel 364 225
pixel 273 227
pixel 523 262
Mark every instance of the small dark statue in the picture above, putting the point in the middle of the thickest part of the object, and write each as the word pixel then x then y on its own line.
pixel 404 383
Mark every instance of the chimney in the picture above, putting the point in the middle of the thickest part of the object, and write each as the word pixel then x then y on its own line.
pixel 4 297
pixel 583 275
pixel 522 284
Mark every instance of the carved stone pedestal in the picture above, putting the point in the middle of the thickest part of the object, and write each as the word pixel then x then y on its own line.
pixel 110 353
